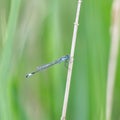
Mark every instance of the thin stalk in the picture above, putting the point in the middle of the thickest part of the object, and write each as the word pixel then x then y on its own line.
pixel 115 30
pixel 70 66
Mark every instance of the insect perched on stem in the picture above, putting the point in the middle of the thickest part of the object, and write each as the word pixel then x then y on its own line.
pixel 43 67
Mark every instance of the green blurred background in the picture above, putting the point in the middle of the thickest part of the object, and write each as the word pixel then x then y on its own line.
pixel 35 32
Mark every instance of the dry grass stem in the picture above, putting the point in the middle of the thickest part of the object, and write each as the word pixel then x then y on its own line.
pixel 113 56
pixel 63 117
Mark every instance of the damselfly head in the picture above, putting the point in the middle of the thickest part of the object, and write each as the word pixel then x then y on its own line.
pixel 64 58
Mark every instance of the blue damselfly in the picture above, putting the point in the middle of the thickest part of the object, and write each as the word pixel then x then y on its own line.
pixel 43 67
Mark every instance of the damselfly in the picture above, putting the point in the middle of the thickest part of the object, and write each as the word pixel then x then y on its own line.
pixel 43 67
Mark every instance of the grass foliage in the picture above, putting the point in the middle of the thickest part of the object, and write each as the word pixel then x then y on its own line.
pixel 34 32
